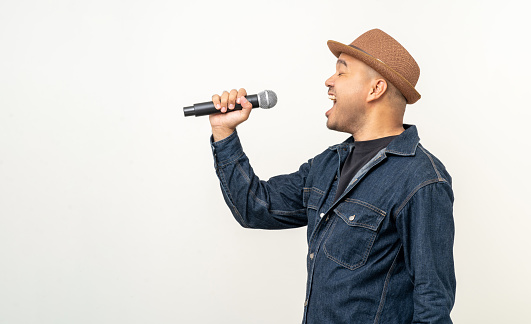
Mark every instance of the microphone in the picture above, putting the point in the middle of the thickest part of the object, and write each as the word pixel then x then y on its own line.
pixel 265 99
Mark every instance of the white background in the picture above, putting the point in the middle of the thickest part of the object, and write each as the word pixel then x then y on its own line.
pixel 110 210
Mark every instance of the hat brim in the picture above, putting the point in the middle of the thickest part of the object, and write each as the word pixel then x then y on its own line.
pixel 403 85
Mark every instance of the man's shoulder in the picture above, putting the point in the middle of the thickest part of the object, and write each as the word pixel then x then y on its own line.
pixel 427 164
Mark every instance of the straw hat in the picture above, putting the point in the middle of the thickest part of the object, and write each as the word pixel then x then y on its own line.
pixel 386 56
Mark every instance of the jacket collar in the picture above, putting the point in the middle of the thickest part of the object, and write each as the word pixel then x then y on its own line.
pixel 404 144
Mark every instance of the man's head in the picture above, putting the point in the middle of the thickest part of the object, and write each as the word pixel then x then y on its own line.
pixel 375 78
pixel 357 92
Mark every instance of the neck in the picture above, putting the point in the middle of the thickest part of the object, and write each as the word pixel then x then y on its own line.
pixel 378 129
pixel 381 121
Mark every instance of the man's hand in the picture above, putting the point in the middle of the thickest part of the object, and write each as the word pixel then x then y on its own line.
pixel 224 124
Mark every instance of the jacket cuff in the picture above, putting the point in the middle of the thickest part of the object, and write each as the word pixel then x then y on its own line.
pixel 226 150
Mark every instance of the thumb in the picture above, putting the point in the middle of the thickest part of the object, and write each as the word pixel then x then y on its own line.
pixel 246 105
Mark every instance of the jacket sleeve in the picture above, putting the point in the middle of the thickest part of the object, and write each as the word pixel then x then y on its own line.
pixel 273 204
pixel 426 228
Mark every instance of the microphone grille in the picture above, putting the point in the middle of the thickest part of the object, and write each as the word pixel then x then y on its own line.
pixel 267 99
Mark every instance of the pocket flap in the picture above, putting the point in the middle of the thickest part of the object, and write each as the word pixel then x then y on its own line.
pixel 359 213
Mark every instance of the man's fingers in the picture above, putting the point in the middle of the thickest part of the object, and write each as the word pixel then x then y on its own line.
pixel 224 100
pixel 216 101
pixel 228 100
pixel 232 99
pixel 241 93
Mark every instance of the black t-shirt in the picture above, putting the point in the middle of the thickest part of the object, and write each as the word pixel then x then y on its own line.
pixel 362 153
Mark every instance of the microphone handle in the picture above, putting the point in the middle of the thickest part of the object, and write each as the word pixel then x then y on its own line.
pixel 208 108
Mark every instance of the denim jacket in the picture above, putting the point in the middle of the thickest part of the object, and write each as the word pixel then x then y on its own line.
pixel 381 253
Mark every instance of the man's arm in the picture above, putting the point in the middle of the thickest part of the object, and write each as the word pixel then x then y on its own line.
pixel 426 227
pixel 273 204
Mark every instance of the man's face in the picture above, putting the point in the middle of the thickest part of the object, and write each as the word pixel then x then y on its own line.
pixel 349 88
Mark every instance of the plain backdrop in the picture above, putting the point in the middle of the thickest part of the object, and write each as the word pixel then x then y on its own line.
pixel 110 210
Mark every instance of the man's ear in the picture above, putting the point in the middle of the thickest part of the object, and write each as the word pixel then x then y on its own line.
pixel 378 88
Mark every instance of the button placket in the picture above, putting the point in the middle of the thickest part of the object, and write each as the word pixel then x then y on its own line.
pixel 314 245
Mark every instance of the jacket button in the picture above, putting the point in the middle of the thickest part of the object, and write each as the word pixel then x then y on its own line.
pixel 306 303
pixel 311 256
pixel 322 214
pixel 351 218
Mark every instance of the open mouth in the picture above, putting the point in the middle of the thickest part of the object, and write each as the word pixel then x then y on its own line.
pixel 333 98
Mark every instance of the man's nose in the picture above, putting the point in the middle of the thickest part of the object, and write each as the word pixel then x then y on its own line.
pixel 330 81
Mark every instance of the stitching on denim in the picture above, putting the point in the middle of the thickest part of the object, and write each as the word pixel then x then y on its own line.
pixel 404 153
pixel 393 151
pixel 320 192
pixel 327 226
pixel 349 223
pixel 247 179
pixel 432 162
pixel 344 264
pixel 227 191
pixel 305 196
pixel 263 202
pixel 227 162
pixel 386 286
pixel 312 243
pixel 398 152
pixel 287 213
pixel 360 202
pixel 258 200
pixel 417 188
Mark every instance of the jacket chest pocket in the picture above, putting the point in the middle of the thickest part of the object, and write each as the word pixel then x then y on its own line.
pixel 351 236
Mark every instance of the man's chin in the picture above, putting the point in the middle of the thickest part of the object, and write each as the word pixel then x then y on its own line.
pixel 331 126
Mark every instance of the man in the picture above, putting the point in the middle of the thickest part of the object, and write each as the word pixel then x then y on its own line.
pixel 378 206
